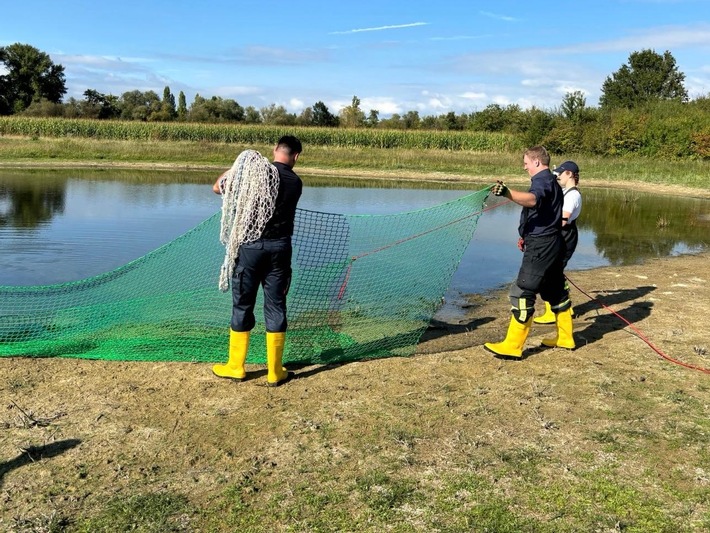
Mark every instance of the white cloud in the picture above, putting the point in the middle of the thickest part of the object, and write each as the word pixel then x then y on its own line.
pixel 295 104
pixel 380 28
pixel 385 105
pixel 496 16
pixel 437 104
pixel 470 95
pixel 232 91
pixel 659 38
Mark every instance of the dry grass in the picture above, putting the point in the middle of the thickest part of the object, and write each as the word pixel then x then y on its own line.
pixel 446 166
pixel 608 437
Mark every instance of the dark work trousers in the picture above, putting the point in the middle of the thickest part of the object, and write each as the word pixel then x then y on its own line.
pixel 571 237
pixel 541 272
pixel 266 263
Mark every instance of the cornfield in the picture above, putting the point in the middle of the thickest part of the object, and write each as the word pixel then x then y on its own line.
pixel 257 134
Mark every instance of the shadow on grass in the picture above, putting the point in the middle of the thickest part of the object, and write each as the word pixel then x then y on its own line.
pixel 36 453
pixel 611 298
pixel 601 325
pixel 443 336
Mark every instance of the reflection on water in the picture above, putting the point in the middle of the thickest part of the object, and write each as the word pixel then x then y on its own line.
pixel 64 226
pixel 30 205
pixel 629 227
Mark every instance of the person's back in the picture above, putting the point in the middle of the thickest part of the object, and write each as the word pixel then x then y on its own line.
pixel 290 189
pixel 266 262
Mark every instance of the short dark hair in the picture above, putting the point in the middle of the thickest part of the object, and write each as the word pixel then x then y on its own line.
pixel 291 144
pixel 538 153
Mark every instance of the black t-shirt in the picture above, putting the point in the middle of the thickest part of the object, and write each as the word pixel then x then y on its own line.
pixel 290 188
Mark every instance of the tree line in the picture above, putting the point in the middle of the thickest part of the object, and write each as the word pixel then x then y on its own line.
pixel 644 103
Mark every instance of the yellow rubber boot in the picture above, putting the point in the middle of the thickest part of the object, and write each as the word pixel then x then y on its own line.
pixel 238 347
pixel 512 346
pixel 563 338
pixel 276 373
pixel 547 318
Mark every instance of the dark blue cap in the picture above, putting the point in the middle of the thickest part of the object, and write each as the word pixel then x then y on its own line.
pixel 567 165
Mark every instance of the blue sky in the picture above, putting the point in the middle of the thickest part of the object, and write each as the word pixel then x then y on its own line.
pixel 431 56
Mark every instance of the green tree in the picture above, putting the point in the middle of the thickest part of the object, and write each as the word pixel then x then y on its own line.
pixel 373 118
pixel 306 117
pixel 537 124
pixel 252 115
pixel 182 107
pixel 97 105
pixel 451 122
pixel 573 105
pixel 411 120
pixel 352 116
pixel 647 76
pixel 167 110
pixel 322 116
pixel 277 115
pixel 216 109
pixel 44 108
pixel 139 105
pixel 30 75
pixel 394 122
pixel 430 122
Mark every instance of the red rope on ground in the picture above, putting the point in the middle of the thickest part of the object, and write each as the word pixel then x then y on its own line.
pixel 641 335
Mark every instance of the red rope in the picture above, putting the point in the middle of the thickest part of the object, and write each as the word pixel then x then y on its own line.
pixel 634 328
pixel 641 335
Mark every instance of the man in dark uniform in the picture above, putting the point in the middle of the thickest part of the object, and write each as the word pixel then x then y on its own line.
pixel 543 249
pixel 266 262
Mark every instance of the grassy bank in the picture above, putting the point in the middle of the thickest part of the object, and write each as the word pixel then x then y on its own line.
pixel 609 437
pixel 404 163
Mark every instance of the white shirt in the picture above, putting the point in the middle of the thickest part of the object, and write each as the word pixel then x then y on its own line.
pixel 572 203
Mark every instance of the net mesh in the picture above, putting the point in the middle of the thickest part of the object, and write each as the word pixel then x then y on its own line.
pixel 249 195
pixel 364 286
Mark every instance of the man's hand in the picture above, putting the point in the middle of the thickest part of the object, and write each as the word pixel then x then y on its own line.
pixel 499 189
pixel 521 244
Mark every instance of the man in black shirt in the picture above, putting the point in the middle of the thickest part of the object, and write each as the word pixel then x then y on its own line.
pixel 265 262
pixel 543 248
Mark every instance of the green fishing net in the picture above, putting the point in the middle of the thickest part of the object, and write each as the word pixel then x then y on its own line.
pixel 364 286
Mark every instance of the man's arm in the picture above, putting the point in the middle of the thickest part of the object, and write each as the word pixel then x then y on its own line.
pixel 218 186
pixel 524 199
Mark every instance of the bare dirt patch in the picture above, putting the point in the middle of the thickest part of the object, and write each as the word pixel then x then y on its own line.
pixel 74 434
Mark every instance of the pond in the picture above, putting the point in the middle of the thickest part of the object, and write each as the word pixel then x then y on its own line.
pixel 60 226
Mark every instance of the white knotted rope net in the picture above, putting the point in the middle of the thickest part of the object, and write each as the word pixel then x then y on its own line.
pixel 249 192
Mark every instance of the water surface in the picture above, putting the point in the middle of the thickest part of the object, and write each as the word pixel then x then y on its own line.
pixel 64 226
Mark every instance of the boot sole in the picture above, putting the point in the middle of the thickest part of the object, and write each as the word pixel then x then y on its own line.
pixel 502 355
pixel 228 377
pixel 288 378
pixel 238 380
pixel 570 348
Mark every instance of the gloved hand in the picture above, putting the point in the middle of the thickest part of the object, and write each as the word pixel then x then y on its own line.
pixel 499 189
pixel 521 244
